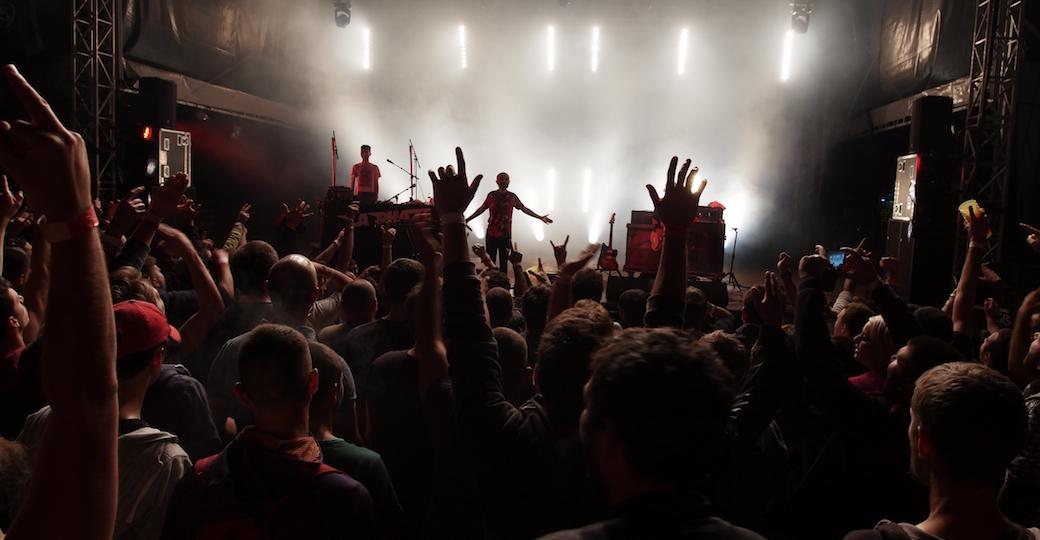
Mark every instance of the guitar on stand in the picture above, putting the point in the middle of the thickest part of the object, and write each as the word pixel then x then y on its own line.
pixel 608 255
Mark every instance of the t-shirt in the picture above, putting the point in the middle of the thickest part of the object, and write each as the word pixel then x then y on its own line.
pixel 366 467
pixel 176 402
pixel 500 205
pixel 914 533
pixel 367 177
pixel 21 388
pixel 367 342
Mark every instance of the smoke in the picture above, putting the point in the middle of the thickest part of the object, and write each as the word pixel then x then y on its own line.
pixel 510 113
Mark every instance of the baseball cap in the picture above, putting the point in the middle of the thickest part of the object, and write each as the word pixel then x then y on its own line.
pixel 141 326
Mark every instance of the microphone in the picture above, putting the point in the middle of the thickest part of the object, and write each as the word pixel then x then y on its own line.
pixel 390 162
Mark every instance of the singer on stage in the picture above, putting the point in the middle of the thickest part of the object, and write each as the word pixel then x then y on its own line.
pixel 364 178
pixel 501 203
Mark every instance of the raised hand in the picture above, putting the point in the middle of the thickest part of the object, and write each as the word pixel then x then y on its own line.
pixel 1032 236
pixel 821 251
pixel 812 266
pixel 452 191
pixel 769 303
pixel 515 257
pixel 858 265
pixel 10 203
pixel 991 308
pixel 244 214
pixel 988 275
pixel 426 241
pixel 166 198
pixel 678 207
pixel 175 242
pixel 480 251
pixel 187 209
pixel 388 234
pixel 560 251
pixel 545 219
pixel 127 211
pixel 293 217
pixel 978 225
pixel 783 264
pixel 572 267
pixel 352 213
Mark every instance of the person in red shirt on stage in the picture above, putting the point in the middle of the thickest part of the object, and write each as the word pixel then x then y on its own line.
pixel 501 203
pixel 364 178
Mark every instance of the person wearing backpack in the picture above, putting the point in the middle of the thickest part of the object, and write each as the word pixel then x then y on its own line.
pixel 967 422
pixel 270 481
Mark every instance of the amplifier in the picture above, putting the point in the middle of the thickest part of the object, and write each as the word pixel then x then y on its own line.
pixel 705 214
pixel 705 249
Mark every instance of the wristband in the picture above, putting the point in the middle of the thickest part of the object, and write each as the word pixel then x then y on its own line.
pixel 978 244
pixel 456 217
pixel 78 226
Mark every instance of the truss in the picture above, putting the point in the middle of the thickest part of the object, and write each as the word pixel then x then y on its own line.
pixel 96 75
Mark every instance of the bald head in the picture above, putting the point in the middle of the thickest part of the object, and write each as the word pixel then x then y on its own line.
pixel 358 302
pixel 292 283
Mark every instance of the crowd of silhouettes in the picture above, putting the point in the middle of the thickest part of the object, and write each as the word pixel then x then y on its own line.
pixel 157 384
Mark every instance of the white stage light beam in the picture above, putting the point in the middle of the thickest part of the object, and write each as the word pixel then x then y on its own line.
pixel 366 49
pixel 684 49
pixel 462 46
pixel 586 191
pixel 551 177
pixel 785 63
pixel 594 60
pixel 550 48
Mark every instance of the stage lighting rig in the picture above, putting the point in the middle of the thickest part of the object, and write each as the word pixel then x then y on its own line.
pixel 342 11
pixel 800 13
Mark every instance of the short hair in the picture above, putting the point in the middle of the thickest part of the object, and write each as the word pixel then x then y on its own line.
pixel 512 351
pixel 732 353
pixel 331 369
pixel 15 471
pixel 291 282
pixel 16 263
pixel 587 284
pixel 565 352
pixel 356 296
pixel 934 322
pixel 696 309
pixel 6 302
pixel 927 352
pixel 500 306
pixel 137 289
pixel 856 315
pixel 496 278
pixel 149 264
pixel 633 304
pixel 666 396
pixel 400 278
pixel 975 419
pixel 274 366
pixel 366 147
pixel 250 265
pixel 535 307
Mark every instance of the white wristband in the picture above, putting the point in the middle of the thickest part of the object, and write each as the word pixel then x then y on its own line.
pixel 458 217
pixel 978 244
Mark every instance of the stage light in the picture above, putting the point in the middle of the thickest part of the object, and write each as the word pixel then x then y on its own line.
pixel 147 133
pixel 785 63
pixel 366 49
pixel 341 8
pixel 595 49
pixel 684 47
pixel 586 191
pixel 800 13
pixel 595 228
pixel 462 46
pixel 551 178
pixel 550 48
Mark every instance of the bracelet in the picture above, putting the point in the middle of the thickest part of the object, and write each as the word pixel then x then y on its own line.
pixel 78 226
pixel 453 218
pixel 978 244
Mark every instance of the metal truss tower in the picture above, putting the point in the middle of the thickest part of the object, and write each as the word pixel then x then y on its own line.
pixel 990 121
pixel 96 65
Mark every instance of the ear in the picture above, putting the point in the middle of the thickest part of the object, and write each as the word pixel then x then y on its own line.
pixel 924 443
pixel 13 322
pixel 240 393
pixel 312 382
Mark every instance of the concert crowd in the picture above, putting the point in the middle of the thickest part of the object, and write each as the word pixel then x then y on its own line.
pixel 163 381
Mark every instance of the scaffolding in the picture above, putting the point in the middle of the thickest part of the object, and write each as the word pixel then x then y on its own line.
pixel 96 64
pixel 990 120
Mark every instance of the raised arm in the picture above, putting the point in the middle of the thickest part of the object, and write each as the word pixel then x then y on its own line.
pixel 964 301
pixel 211 305
pixel 238 231
pixel 560 294
pixel 676 210
pixel 37 288
pixel 50 164
pixel 520 284
pixel 10 203
pixel 387 234
pixel 430 351
pixel 1021 335
pixel 520 206
pixel 164 203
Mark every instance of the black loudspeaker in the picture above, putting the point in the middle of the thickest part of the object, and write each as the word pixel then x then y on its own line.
pixel 157 102
pixel 337 199
pixel 931 119
pixel 618 284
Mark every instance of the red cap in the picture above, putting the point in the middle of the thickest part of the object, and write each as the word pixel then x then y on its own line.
pixel 141 326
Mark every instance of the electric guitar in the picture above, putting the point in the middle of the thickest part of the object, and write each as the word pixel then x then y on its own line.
pixel 608 255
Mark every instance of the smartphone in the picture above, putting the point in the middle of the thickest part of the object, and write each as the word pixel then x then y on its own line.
pixel 837 258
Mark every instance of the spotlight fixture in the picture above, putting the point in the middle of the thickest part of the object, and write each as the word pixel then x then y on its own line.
pixel 342 11
pixel 800 13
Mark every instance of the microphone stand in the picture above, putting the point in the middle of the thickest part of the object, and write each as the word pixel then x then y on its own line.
pixel 414 166
pixel 412 180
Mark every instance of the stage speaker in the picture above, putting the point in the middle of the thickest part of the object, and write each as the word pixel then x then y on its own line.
pixel 705 249
pixel 157 103
pixel 931 119
pixel 337 199
pixel 619 284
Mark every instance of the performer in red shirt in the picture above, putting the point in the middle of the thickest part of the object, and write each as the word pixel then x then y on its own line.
pixel 500 224
pixel 364 178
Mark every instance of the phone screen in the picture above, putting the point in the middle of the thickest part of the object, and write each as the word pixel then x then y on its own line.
pixel 837 258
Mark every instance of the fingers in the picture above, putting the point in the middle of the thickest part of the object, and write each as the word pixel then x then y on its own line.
pixel 653 195
pixel 700 188
pixel 461 160
pixel 474 185
pixel 39 110
pixel 285 208
pixel 566 240
pixel 682 181
pixel 135 192
pixel 670 180
pixel 441 173
pixel 1029 228
pixel 433 177
pixel 551 244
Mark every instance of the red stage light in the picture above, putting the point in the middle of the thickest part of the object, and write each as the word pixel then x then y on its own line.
pixel 146 133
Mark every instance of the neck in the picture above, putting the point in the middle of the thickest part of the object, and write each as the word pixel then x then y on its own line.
pixel 626 487
pixel 13 341
pixel 963 512
pixel 397 313
pixel 292 317
pixel 321 426
pixel 286 425
pixel 131 398
pixel 253 298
